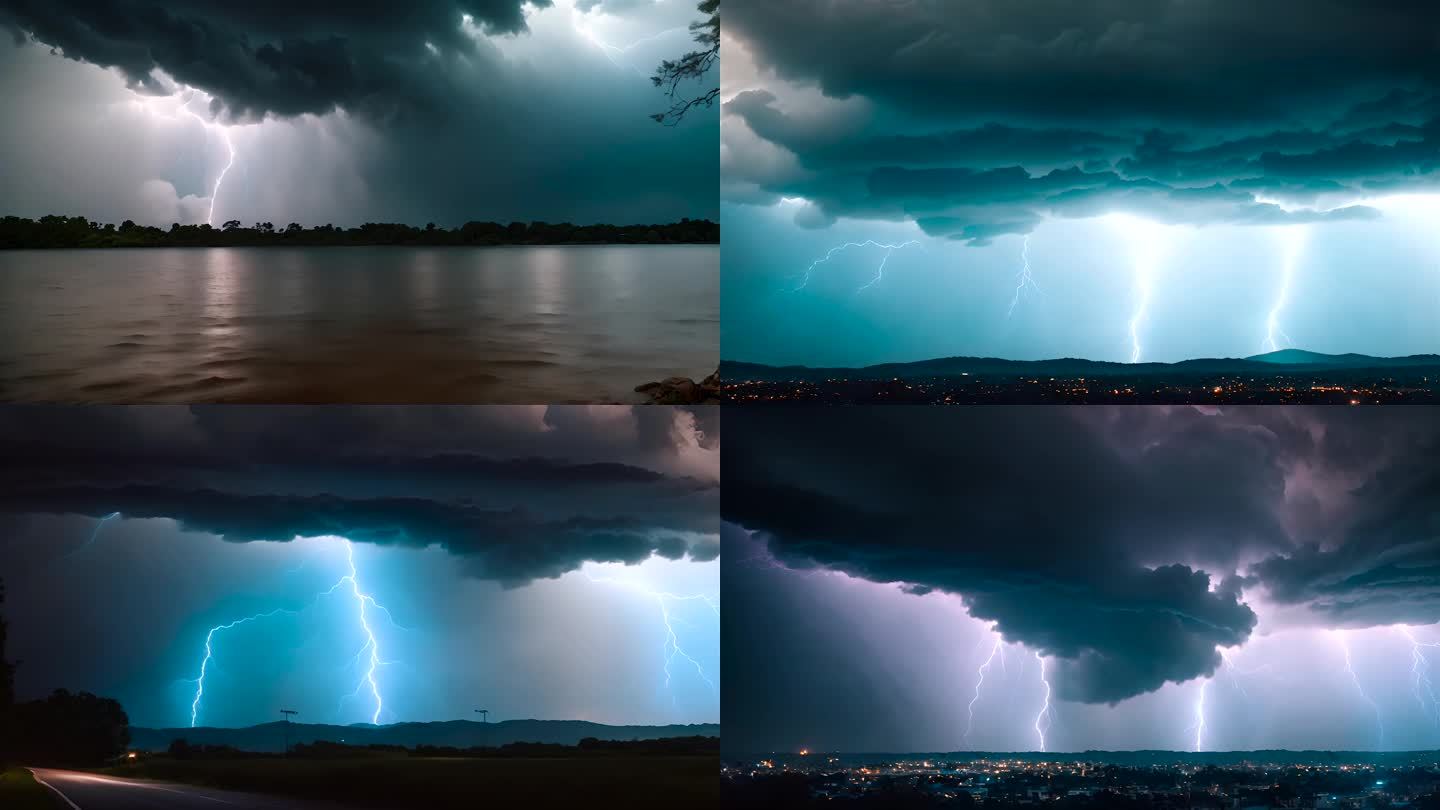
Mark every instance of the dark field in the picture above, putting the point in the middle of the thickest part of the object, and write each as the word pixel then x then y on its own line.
pixel 400 781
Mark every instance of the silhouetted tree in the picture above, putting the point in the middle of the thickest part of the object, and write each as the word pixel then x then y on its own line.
pixel 231 225
pixel 671 75
pixel 72 729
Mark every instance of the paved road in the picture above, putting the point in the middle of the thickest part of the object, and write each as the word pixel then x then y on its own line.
pixel 88 791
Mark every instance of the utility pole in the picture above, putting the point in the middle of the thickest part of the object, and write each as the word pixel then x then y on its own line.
pixel 484 715
pixel 287 713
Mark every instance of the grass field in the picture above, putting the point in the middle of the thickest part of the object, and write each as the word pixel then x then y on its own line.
pixel 621 781
pixel 20 791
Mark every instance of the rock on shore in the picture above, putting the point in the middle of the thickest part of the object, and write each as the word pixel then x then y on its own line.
pixel 682 390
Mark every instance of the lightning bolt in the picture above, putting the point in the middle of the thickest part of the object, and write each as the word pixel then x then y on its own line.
pixel 1355 679
pixel 980 679
pixel 671 648
pixel 613 51
pixel 1145 240
pixel 99 524
pixel 888 248
pixel 210 654
pixel 210 126
pixel 1023 279
pixel 1199 725
pixel 1044 710
pixel 372 645
pixel 1420 669
pixel 1293 239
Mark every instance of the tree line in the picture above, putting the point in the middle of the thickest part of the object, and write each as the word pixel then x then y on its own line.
pixel 59 231
pixel 70 729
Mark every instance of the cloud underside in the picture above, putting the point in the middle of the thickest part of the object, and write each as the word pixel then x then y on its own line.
pixel 983 121
pixel 516 497
pixel 270 58
pixel 1127 545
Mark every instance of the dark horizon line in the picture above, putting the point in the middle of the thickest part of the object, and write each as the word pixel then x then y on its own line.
pixel 1086 752
pixel 295 723
pixel 61 231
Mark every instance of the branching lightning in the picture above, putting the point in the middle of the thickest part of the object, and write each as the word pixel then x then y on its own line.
pixel 1044 714
pixel 1420 671
pixel 1293 239
pixel 372 645
pixel 613 51
pixel 879 273
pixel 980 680
pixel 1023 279
pixel 209 126
pixel 671 648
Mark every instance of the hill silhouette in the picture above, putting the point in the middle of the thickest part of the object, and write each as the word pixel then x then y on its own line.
pixel 271 737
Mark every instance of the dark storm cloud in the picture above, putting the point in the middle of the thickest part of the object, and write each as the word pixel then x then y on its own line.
pixel 519 493
pixel 271 57
pixel 1085 534
pixel 980 119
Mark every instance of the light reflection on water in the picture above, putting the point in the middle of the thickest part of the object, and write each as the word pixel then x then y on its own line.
pixel 520 325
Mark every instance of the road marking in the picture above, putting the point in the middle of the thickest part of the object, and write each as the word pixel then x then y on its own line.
pixel 36 777
pixel 126 783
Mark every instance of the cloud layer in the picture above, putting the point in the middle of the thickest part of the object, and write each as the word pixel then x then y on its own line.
pixel 1127 545
pixel 518 493
pixel 983 120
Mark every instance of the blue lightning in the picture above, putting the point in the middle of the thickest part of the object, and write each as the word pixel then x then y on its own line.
pixel 1145 240
pixel 980 680
pixel 670 649
pixel 1199 725
pixel 888 248
pixel 372 645
pixel 100 524
pixel 1023 279
pixel 1293 239
pixel 612 51
pixel 1044 710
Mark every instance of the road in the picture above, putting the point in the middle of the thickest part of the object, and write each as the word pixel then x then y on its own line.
pixel 88 791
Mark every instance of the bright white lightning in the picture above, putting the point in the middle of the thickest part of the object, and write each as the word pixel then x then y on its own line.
pixel 1355 679
pixel 1023 279
pixel 1199 725
pixel 671 648
pixel 980 680
pixel 613 51
pixel 1293 239
pixel 887 247
pixel 209 127
pixel 363 600
pixel 1420 670
pixel 1044 710
pixel 1147 241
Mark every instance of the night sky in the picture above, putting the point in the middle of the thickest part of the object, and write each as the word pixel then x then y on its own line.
pixel 344 112
pixel 509 558
pixel 1186 179
pixel 1179 579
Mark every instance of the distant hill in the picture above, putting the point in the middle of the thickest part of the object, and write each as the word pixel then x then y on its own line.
pixel 458 733
pixel 1261 364
pixel 1140 759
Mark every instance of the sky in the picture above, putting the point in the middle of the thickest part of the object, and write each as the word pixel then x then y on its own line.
pixel 439 111
pixel 1081 578
pixel 1181 179
pixel 539 562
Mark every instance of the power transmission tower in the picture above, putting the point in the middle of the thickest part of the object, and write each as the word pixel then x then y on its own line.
pixel 484 715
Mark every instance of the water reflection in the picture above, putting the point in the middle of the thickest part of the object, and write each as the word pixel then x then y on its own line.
pixel 551 324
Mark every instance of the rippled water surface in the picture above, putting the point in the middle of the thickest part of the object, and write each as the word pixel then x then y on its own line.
pixel 520 325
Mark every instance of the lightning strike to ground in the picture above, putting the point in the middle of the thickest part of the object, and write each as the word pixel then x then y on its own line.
pixel 979 681
pixel 1146 240
pixel 1199 725
pixel 1420 670
pixel 1044 710
pixel 671 648
pixel 372 645
pixel 1023 279
pixel 888 248
pixel 1293 239
pixel 1355 679
pixel 209 127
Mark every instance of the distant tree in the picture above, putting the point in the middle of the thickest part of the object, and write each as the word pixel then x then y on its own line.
pixel 671 75
pixel 294 227
pixel 180 748
pixel 230 225
pixel 73 729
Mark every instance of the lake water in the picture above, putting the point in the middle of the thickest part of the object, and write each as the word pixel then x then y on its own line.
pixel 508 324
